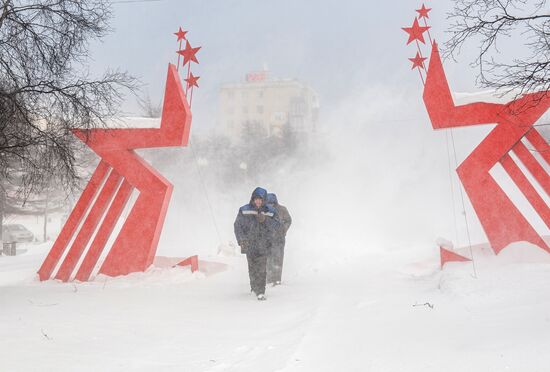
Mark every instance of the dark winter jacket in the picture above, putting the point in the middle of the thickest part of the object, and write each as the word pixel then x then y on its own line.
pixel 282 213
pixel 257 236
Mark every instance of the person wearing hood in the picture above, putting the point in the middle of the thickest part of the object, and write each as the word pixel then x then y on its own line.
pixel 255 228
pixel 277 251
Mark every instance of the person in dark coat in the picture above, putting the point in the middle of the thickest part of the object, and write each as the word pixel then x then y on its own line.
pixel 277 251
pixel 255 228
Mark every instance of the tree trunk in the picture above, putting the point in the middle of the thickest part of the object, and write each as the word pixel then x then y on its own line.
pixel 2 208
pixel 45 235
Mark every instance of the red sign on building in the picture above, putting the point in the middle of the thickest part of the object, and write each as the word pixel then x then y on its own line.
pixel 256 76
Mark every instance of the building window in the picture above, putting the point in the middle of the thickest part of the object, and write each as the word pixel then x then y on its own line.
pixel 244 94
pixel 245 110
pixel 260 94
pixel 297 106
pixel 260 109
pixel 230 94
pixel 279 116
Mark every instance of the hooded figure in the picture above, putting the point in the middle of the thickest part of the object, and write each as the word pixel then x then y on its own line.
pixel 277 251
pixel 256 226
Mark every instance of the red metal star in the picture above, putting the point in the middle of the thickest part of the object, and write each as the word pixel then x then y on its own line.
pixel 415 32
pixel 192 80
pixel 181 34
pixel 189 53
pixel 417 61
pixel 423 12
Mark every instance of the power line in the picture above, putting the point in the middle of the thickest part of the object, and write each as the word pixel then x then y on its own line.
pixel 452 188
pixel 464 209
pixel 197 165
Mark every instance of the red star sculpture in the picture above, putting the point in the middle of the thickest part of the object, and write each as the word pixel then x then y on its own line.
pixel 192 80
pixel 417 61
pixel 423 12
pixel 189 53
pixel 180 34
pixel 415 32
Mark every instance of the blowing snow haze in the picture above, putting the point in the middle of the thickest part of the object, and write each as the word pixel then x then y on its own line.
pixel 370 185
pixel 379 176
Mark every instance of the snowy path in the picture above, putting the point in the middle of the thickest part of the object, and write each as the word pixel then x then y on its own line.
pixel 355 315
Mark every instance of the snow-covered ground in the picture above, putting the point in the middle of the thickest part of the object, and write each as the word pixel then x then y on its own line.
pixel 362 289
pixel 386 312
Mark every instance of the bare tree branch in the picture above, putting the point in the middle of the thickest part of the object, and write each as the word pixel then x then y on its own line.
pixel 492 23
pixel 45 91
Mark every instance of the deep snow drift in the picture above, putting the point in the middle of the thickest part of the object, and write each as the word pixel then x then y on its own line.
pixel 390 312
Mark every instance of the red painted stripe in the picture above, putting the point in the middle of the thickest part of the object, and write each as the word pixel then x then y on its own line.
pixel 446 255
pixel 540 144
pixel 89 226
pixel 104 232
pixel 192 261
pixel 73 221
pixel 526 188
pixel 538 172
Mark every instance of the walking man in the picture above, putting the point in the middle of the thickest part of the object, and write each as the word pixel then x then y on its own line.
pixel 277 251
pixel 255 228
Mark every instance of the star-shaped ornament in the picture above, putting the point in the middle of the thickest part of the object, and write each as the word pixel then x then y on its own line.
pixel 417 61
pixel 181 34
pixel 423 12
pixel 416 32
pixel 189 53
pixel 192 80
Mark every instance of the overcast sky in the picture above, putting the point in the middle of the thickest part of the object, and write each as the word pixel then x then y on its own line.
pixel 338 47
